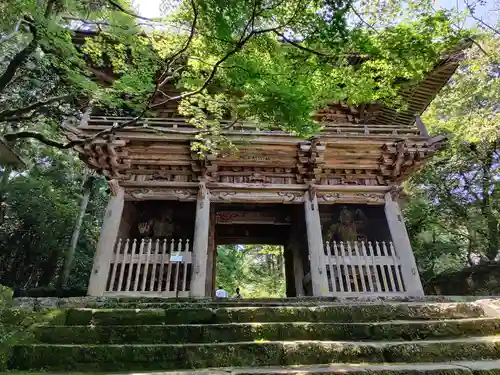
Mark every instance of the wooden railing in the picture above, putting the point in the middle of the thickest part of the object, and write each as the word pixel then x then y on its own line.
pixel 150 267
pixel 363 268
pixel 230 127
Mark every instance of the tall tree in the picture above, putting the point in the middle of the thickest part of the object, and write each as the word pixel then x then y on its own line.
pixel 459 189
pixel 268 60
pixel 88 187
pixel 41 204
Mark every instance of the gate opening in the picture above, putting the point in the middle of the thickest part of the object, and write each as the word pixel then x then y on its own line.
pixel 257 270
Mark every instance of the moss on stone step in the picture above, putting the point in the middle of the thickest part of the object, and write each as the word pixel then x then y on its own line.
pixel 458 371
pixel 16 327
pixel 298 371
pixel 349 313
pixel 177 334
pixel 331 313
pixel 455 368
pixel 165 357
pixel 138 316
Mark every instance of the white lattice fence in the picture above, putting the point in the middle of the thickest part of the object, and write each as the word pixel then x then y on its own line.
pixel 150 267
pixel 355 268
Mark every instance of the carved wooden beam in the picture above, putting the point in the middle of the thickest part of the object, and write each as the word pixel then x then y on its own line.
pixel 310 160
pixel 401 150
pixel 437 141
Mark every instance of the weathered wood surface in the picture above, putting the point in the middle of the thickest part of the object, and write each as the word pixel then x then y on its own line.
pixel 360 268
pixel 150 267
pixel 342 154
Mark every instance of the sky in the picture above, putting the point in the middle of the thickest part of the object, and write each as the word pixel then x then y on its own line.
pixel 147 8
pixel 489 12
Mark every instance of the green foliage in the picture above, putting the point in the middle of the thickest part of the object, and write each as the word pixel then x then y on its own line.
pixel 271 61
pixel 282 84
pixel 256 269
pixel 230 268
pixel 454 213
pixel 480 280
pixel 5 294
pixel 40 209
pixel 468 105
pixel 13 324
pixel 275 62
pixel 435 248
pixel 210 138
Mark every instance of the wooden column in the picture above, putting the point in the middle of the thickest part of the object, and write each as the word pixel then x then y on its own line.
pixel 298 270
pixel 315 244
pixel 402 245
pixel 200 243
pixel 107 239
pixel 295 256
pixel 211 256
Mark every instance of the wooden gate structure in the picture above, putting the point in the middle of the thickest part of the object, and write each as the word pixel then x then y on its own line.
pixel 331 200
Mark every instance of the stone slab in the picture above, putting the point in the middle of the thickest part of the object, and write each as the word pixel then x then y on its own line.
pixel 492 303
pixel 337 368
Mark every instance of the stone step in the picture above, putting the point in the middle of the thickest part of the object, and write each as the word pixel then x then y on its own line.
pixel 144 302
pixel 447 368
pixel 328 313
pixel 212 304
pixel 265 353
pixel 219 304
pixel 241 332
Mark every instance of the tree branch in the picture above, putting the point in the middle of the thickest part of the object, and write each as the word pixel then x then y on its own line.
pixel 98 23
pixel 16 112
pixel 362 20
pixel 19 59
pixel 298 45
pixel 239 45
pixel 471 10
pixel 113 128
pixel 214 70
pixel 164 78
pixel 478 46
pixel 41 138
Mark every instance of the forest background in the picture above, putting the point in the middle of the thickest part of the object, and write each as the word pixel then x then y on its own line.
pixel 452 206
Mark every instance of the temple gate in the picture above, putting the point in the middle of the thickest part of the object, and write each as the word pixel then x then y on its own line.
pixel 331 200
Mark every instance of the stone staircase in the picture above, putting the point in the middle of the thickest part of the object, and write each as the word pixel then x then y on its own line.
pixel 309 336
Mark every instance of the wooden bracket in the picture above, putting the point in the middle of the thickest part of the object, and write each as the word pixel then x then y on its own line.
pixel 312 191
pixel 114 187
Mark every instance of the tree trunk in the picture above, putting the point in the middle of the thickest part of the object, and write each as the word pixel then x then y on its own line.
pixel 4 179
pixel 70 254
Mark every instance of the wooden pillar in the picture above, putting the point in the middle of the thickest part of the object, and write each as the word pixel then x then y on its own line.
pixel 289 274
pixel 315 244
pixel 200 243
pixel 298 270
pixel 107 239
pixel 211 256
pixel 294 255
pixel 402 245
